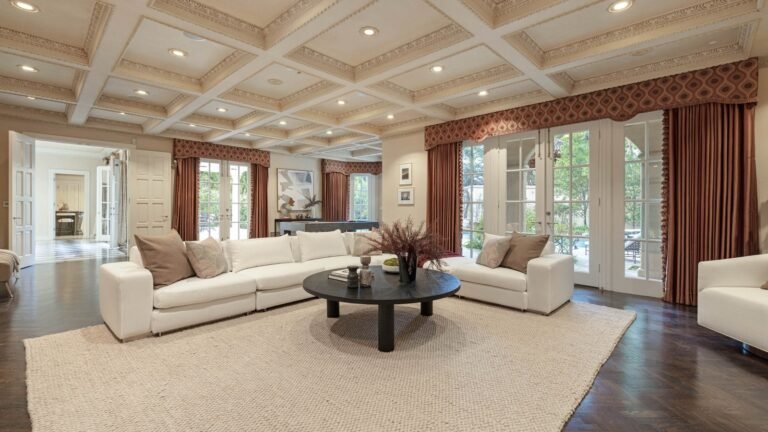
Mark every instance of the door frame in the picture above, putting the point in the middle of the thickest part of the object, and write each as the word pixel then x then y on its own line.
pixel 87 202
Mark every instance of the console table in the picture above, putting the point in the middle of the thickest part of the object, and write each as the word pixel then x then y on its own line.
pixel 291 226
pixel 69 223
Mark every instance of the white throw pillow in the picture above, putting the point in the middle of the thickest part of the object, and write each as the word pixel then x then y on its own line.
pixel 244 254
pixel 321 245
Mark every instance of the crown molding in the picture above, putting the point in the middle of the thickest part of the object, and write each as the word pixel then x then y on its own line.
pixel 458 85
pixel 31 88
pixel 251 100
pixel 297 16
pixel 317 60
pixel 99 18
pixel 314 91
pixel 231 63
pixel 26 44
pixel 131 107
pixel 158 77
pixel 518 100
pixel 563 80
pixel 525 43
pixel 212 19
pixel 210 121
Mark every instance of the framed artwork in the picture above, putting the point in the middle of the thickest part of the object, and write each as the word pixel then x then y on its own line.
pixel 406 174
pixel 405 196
pixel 294 189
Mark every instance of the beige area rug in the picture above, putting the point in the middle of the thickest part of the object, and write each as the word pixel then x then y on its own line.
pixel 470 367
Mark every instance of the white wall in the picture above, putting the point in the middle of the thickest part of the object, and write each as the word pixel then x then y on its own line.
pixel 292 162
pixel 45 197
pixel 400 150
pixel 761 156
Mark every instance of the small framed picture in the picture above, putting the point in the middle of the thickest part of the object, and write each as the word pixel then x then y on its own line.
pixel 405 196
pixel 406 176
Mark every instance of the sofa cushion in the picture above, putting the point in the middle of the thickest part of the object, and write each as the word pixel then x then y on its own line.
pixel 494 251
pixel 338 262
pixel 500 277
pixel 195 290
pixel 361 243
pixel 279 276
pixel 523 248
pixel 737 312
pixel 207 258
pixel 321 245
pixel 165 257
pixel 244 254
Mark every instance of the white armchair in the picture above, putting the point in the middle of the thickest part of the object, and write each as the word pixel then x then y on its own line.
pixel 731 301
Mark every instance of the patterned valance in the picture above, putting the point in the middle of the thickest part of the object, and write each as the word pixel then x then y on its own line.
pixel 186 149
pixel 728 83
pixel 348 168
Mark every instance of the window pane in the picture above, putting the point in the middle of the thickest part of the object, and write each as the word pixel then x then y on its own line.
pixel 562 218
pixel 653 218
pixel 514 187
pixel 580 252
pixel 654 139
pixel 466 216
pixel 633 181
pixel 634 142
pixel 529 180
pixel 580 148
pixel 562 184
pixel 562 150
pixel 477 217
pixel 528 152
pixel 653 261
pixel 530 218
pixel 562 245
pixel 633 220
pixel 654 180
pixel 477 158
pixel 513 154
pixel 580 184
pixel 514 217
pixel 633 254
pixel 580 218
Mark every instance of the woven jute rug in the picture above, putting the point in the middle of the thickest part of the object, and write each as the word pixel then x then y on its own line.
pixel 469 367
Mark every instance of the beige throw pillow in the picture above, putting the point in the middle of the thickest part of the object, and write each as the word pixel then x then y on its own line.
pixel 207 258
pixel 523 248
pixel 765 286
pixel 495 248
pixel 362 243
pixel 164 256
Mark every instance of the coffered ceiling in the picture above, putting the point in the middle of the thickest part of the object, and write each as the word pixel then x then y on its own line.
pixel 331 78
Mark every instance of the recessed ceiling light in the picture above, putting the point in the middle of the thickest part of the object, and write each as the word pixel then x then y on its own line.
pixel 436 68
pixel 192 125
pixel 122 113
pixel 620 6
pixel 141 92
pixel 26 7
pixel 390 116
pixel 177 52
pixel 712 42
pixel 369 31
pixel 247 134
pixel 341 102
pixel 221 109
pixel 194 37
pixel 31 97
pixel 282 122
pixel 329 132
pixel 27 68
pixel 274 81
pixel 482 93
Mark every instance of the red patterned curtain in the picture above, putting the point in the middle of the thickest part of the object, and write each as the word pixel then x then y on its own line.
pixel 444 195
pixel 185 219
pixel 709 191
pixel 729 83
pixel 335 196
pixel 259 203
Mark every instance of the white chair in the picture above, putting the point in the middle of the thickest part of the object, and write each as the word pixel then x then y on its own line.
pixel 731 301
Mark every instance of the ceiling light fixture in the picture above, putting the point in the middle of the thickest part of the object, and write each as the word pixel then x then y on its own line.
pixel 192 125
pixel 27 68
pixel 274 81
pixel 177 52
pixel 282 122
pixel 619 6
pixel 141 92
pixel 482 93
pixel 712 42
pixel 31 97
pixel 194 37
pixel 390 116
pixel 369 31
pixel 329 132
pixel 221 109
pixel 122 113
pixel 341 102
pixel 436 68
pixel 247 134
pixel 26 7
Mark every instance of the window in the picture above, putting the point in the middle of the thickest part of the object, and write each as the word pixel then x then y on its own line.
pixel 224 196
pixel 472 189
pixel 208 199
pixel 362 197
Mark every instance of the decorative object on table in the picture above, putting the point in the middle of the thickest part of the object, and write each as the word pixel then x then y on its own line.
pixel 353 279
pixel 406 174
pixel 286 208
pixel 408 242
pixel 366 275
pixel 294 187
pixel 390 265
pixel 365 261
pixel 339 275
pixel 405 196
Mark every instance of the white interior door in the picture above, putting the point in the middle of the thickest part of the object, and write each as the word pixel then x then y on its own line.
pixel 573 219
pixel 22 176
pixel 104 203
pixel 149 192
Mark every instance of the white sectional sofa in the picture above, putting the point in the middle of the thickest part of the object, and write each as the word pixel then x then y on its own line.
pixel 731 301
pixel 132 308
pixel 547 285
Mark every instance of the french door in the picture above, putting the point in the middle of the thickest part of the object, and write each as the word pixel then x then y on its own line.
pixel 224 200
pixel 105 203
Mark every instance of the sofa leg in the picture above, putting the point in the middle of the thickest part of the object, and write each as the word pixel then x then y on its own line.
pixel 8 288
pixel 748 349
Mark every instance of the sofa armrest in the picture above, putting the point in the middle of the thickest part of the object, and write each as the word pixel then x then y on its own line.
pixel 549 282
pixel 748 271
pixel 126 298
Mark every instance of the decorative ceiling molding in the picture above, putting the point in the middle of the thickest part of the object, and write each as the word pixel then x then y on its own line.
pixel 229 64
pixel 30 88
pixel 323 62
pixel 156 76
pixel 130 106
pixel 250 99
pixel 210 121
pixel 312 92
pixel 213 19
pixel 494 74
pixel 296 17
pixel 528 98
pixel 26 44
pixel 99 18
pixel 523 42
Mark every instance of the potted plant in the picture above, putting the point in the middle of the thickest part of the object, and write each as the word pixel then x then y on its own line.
pixel 410 243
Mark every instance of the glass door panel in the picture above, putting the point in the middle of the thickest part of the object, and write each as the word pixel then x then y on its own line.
pixel 570 207
pixel 472 219
pixel 239 199
pixel 209 199
pixel 522 208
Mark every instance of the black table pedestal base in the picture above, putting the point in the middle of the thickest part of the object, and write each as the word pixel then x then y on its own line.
pixel 333 309
pixel 426 308
pixel 386 327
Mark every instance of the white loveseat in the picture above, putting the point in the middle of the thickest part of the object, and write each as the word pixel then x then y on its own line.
pixel 547 285
pixel 132 308
pixel 731 301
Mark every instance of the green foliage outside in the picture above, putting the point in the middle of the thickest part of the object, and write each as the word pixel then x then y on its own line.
pixel 210 193
pixel 360 200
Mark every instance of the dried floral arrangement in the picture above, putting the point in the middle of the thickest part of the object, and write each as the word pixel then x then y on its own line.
pixel 409 242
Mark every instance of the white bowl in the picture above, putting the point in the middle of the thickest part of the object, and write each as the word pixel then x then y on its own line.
pixel 390 269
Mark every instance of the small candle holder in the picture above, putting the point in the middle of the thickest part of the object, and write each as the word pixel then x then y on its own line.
pixel 353 279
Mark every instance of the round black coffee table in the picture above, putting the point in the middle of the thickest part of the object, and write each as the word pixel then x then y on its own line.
pixel 386 292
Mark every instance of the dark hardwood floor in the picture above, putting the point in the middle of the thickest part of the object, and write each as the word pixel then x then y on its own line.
pixel 667 373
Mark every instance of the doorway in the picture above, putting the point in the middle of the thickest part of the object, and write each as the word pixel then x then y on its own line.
pixel 224 199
